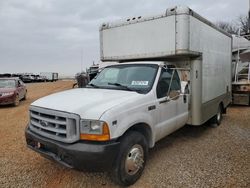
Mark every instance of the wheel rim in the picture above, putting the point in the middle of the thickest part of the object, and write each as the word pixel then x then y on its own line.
pixel 135 159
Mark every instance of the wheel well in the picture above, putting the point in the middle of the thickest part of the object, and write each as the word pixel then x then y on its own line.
pixel 145 130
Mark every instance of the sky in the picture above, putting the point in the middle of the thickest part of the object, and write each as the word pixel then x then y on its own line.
pixel 63 35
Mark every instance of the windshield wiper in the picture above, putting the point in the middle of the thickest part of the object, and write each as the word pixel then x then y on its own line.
pixel 93 85
pixel 121 86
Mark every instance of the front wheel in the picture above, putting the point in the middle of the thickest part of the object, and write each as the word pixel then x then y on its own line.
pixel 131 159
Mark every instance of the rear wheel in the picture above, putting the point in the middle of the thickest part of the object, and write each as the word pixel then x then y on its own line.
pixel 16 102
pixel 216 120
pixel 131 159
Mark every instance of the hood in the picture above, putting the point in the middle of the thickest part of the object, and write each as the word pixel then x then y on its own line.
pixel 4 90
pixel 89 103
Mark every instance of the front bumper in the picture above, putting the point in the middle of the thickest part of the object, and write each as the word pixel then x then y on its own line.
pixel 7 99
pixel 82 155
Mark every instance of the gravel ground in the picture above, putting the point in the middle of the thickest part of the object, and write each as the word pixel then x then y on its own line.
pixel 191 157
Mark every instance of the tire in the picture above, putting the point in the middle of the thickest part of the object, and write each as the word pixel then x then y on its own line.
pixel 216 120
pixel 17 101
pixel 131 159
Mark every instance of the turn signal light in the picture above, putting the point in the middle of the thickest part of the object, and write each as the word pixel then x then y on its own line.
pixel 105 136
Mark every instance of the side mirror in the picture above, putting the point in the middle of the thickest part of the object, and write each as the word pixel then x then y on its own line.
pixel 174 95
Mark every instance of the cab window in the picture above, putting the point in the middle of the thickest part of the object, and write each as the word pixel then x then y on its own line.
pixel 165 82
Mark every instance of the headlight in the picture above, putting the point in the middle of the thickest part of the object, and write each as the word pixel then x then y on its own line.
pixel 7 93
pixel 94 130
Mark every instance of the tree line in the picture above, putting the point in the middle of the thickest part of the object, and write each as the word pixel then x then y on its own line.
pixel 233 27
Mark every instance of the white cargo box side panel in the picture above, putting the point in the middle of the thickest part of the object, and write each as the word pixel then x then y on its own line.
pixel 216 58
pixel 48 75
pixel 152 38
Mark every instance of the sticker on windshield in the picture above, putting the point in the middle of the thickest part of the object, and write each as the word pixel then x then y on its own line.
pixel 139 83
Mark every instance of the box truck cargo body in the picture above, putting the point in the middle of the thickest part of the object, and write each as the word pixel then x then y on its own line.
pixel 173 69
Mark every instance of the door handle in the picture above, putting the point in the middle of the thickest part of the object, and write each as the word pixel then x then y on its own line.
pixel 151 107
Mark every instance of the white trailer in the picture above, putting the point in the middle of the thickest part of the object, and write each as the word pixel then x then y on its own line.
pixel 174 69
pixel 50 76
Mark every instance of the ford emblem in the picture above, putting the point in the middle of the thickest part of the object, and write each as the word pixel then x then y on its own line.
pixel 44 123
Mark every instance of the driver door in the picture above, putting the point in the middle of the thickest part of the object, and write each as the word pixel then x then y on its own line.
pixel 169 103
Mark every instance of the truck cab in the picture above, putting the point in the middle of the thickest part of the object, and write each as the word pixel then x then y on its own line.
pixel 157 99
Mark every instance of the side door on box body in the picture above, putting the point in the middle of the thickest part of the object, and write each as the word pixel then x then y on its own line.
pixel 172 109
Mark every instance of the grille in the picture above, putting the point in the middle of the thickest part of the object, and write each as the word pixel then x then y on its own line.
pixel 55 125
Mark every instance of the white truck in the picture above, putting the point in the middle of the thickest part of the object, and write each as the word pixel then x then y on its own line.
pixel 50 76
pixel 174 69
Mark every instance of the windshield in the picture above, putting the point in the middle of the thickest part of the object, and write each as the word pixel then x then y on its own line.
pixel 7 83
pixel 134 77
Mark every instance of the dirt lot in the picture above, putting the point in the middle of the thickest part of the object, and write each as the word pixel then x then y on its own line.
pixel 191 157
